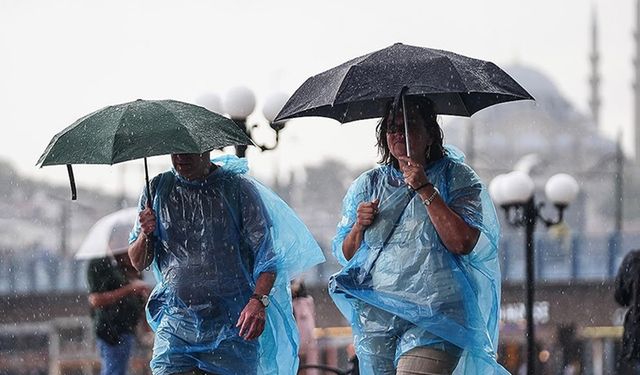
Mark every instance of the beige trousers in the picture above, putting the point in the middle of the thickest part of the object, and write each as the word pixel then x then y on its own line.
pixel 426 361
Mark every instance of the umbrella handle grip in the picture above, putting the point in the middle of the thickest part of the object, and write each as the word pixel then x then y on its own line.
pixel 150 242
pixel 72 182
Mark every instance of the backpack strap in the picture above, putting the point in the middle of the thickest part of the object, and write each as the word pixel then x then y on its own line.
pixel 165 184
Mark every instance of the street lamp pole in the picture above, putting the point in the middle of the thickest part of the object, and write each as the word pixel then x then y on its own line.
pixel 530 215
pixel 514 192
pixel 526 215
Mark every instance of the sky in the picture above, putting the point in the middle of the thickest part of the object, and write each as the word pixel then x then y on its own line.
pixel 66 58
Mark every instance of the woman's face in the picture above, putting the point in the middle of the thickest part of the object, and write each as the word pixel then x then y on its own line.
pixel 419 139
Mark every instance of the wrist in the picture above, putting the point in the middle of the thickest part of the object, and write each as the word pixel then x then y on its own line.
pixel 358 228
pixel 147 239
pixel 428 197
pixel 426 190
pixel 423 187
pixel 262 299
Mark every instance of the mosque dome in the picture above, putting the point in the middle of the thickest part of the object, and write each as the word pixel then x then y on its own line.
pixel 549 125
pixel 550 106
pixel 534 81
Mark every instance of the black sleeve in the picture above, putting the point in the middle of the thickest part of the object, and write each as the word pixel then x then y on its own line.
pixel 624 279
pixel 98 275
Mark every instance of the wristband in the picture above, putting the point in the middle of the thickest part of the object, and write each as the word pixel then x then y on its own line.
pixel 422 186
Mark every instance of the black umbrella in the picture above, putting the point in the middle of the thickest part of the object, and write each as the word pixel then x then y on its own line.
pixel 364 87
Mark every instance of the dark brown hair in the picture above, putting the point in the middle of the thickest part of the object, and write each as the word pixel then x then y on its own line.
pixel 425 109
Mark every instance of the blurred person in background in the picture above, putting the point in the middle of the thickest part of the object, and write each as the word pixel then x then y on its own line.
pixel 117 295
pixel 305 314
pixel 627 294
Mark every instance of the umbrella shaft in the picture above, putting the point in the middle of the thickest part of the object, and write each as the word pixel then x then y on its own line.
pixel 406 126
pixel 146 180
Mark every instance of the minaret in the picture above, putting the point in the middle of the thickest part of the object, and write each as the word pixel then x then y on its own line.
pixel 636 84
pixel 594 79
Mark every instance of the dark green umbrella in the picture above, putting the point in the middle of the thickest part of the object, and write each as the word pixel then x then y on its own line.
pixel 140 129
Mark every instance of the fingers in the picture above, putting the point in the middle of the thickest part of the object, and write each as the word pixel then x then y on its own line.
pixel 368 208
pixel 410 162
pixel 367 212
pixel 375 203
pixel 413 172
pixel 251 323
pixel 241 323
pixel 255 329
pixel 147 220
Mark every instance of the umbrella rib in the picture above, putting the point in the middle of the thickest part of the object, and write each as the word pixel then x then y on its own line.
pixel 455 69
pixel 113 137
pixel 42 161
pixel 466 109
pixel 187 129
pixel 341 90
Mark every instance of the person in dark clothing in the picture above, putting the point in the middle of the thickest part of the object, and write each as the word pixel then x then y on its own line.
pixel 117 296
pixel 627 293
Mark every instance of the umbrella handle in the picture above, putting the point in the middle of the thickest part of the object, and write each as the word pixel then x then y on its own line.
pixel 72 182
pixel 151 239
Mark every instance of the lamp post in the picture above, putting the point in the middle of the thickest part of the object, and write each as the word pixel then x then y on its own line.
pixel 514 192
pixel 240 102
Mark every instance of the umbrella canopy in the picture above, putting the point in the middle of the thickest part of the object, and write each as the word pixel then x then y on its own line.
pixel 109 235
pixel 140 129
pixel 364 87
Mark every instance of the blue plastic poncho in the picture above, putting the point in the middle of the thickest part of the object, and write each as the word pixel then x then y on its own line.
pixel 215 238
pixel 403 289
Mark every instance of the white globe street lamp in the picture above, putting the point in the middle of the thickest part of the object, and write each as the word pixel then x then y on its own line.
pixel 495 190
pixel 210 101
pixel 273 104
pixel 514 192
pixel 561 189
pixel 516 188
pixel 239 103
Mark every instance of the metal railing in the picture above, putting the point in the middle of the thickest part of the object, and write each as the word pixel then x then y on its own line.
pixel 558 258
pixel 567 258
pixel 58 347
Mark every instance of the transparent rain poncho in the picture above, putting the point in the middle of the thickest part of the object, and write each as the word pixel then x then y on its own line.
pixel 215 237
pixel 403 289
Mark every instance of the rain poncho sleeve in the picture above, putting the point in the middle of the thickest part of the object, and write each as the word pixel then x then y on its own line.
pixel 214 239
pixel 403 282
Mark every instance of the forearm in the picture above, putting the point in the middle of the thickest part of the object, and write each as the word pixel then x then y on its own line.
pixel 102 299
pixel 457 236
pixel 141 252
pixel 265 283
pixel 352 241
